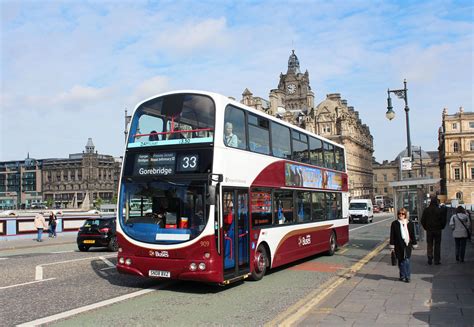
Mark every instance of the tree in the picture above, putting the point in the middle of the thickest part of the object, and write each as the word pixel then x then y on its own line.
pixel 98 202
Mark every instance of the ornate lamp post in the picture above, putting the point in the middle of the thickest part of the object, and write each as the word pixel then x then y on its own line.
pixel 390 114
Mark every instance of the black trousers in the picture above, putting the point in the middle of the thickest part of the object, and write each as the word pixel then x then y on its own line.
pixel 433 245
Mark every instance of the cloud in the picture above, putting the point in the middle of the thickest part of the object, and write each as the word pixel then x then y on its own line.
pixel 148 88
pixel 191 36
pixel 79 97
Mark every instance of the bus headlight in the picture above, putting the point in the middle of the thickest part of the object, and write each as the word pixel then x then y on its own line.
pixel 120 250
pixel 121 260
pixel 193 266
pixel 202 266
pixel 128 261
pixel 207 255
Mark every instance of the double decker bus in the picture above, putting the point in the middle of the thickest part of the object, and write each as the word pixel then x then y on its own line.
pixel 214 191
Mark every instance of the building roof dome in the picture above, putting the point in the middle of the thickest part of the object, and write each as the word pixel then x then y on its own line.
pixel 416 153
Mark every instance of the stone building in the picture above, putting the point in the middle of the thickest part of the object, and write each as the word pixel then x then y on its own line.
pixel 20 184
pixel 80 180
pixel 425 164
pixel 456 151
pixel 293 101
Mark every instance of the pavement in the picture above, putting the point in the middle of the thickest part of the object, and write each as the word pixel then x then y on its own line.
pixel 438 295
pixel 28 241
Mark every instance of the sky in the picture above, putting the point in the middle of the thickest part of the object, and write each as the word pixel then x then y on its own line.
pixel 69 69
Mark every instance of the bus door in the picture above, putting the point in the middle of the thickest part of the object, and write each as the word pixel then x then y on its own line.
pixel 236 232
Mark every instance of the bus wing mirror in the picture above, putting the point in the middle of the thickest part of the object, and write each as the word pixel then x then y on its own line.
pixel 211 195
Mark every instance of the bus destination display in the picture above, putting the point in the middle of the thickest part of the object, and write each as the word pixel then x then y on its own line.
pixel 164 164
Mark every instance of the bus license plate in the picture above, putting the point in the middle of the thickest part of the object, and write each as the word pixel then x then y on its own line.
pixel 159 273
pixel 89 241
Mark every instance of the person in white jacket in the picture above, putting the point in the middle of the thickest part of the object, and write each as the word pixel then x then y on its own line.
pixel 460 224
pixel 40 224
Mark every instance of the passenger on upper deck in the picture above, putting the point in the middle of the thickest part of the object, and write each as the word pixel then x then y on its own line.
pixel 230 139
pixel 153 136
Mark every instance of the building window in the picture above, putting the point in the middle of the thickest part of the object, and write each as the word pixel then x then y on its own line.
pixel 431 189
pixel 472 173
pixel 375 177
pixel 455 147
pixel 384 177
pixel 459 195
pixel 471 146
pixel 385 190
pixel 457 174
pixel 455 125
pixel 471 124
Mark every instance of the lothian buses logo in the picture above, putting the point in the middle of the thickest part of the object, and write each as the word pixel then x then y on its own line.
pixel 304 240
pixel 159 254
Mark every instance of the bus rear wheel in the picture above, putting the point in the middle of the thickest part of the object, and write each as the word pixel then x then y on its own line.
pixel 260 263
pixel 332 244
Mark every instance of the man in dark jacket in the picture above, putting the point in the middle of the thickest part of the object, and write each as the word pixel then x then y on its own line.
pixel 433 221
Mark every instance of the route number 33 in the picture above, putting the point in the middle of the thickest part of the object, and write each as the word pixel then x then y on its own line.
pixel 188 162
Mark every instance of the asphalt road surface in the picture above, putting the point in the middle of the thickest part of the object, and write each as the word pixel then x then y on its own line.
pixel 61 286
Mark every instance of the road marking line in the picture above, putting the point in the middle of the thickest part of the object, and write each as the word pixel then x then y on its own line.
pixel 371 224
pixel 3 258
pixel 342 251
pixel 93 306
pixel 38 273
pixel 58 252
pixel 34 282
pixel 302 307
pixel 39 268
pixel 107 262
pixel 108 268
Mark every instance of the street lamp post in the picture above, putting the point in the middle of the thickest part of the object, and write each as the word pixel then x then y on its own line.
pixel 402 94
pixel 390 114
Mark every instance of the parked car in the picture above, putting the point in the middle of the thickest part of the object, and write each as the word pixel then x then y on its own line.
pixel 97 232
pixel 376 208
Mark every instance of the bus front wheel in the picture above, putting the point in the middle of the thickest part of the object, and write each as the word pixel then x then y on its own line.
pixel 260 263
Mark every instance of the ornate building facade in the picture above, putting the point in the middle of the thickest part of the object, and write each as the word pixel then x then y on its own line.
pixel 81 180
pixel 293 101
pixel 456 151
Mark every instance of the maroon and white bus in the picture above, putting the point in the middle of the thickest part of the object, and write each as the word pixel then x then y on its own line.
pixel 214 191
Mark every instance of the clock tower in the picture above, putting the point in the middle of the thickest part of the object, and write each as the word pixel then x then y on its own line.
pixel 293 92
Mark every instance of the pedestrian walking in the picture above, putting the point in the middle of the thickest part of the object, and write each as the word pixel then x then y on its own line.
pixel 433 221
pixel 460 224
pixel 402 241
pixel 52 224
pixel 40 224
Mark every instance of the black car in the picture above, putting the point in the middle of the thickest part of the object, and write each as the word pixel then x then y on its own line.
pixel 97 232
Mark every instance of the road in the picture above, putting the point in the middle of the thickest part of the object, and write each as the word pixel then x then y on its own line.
pixel 65 287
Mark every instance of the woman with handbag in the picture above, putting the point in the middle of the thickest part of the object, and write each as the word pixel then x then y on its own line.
pixel 460 224
pixel 402 241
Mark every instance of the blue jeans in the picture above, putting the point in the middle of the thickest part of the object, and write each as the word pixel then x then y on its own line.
pixel 404 266
pixel 40 233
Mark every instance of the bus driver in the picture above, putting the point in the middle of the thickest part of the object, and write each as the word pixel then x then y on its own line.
pixel 230 139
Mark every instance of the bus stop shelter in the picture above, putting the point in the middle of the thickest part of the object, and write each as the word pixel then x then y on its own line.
pixel 413 195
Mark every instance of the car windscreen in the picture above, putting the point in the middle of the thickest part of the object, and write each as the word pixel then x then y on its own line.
pixel 97 223
pixel 358 206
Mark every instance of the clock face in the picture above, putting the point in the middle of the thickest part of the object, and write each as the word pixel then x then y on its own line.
pixel 291 88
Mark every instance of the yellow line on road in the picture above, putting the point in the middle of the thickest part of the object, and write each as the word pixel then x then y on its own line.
pixel 294 313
